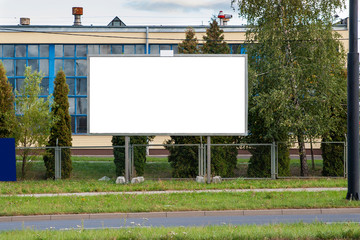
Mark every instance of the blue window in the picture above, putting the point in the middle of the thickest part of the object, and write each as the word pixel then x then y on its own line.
pixel 49 59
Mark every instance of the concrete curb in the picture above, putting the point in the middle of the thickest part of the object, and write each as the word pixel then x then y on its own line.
pixel 317 211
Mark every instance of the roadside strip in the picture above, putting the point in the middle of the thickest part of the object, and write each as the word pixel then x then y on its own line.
pixel 176 191
pixel 147 215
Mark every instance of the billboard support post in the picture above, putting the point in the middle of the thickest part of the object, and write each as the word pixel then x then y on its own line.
pixel 127 175
pixel 208 159
pixel 353 105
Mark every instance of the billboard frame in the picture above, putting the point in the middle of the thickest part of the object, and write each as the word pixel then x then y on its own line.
pixel 175 56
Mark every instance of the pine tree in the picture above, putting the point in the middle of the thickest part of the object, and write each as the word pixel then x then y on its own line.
pixel 214 40
pixel 190 44
pixel 139 154
pixel 61 130
pixel 7 110
pixel 184 159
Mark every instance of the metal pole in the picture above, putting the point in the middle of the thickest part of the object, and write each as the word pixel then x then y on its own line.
pixel 353 105
pixel 147 41
pixel 127 175
pixel 208 159
pixel 57 161
pixel 273 163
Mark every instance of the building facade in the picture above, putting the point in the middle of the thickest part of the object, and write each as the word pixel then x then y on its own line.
pixel 51 48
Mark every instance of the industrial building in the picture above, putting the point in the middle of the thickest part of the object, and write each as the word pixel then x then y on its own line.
pixel 50 48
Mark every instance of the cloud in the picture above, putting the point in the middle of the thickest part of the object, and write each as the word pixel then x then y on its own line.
pixel 177 6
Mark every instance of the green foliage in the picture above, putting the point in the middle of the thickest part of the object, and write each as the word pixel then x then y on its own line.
pixel 184 159
pixel 260 161
pixel 214 40
pixel 7 110
pixel 333 154
pixel 296 61
pixel 61 130
pixel 190 44
pixel 35 120
pixel 139 154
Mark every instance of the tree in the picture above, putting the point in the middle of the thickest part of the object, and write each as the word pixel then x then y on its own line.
pixel 297 59
pixel 60 132
pixel 7 110
pixel 190 44
pixel 214 40
pixel 184 159
pixel 333 153
pixel 139 154
pixel 34 120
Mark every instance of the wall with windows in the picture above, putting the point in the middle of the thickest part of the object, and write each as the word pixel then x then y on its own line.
pixel 72 58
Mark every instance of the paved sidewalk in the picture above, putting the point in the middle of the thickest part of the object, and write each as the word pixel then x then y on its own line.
pixel 146 215
pixel 178 191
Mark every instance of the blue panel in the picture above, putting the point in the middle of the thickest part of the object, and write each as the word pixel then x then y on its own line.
pixel 7 159
pixel 52 72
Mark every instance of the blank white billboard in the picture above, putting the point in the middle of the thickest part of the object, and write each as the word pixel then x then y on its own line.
pixel 179 95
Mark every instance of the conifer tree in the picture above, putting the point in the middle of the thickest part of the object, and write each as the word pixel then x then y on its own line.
pixel 7 110
pixel 184 159
pixel 139 154
pixel 214 40
pixel 61 130
pixel 190 44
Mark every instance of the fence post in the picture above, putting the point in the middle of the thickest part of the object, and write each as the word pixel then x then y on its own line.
pixel 208 159
pixel 127 174
pixel 345 158
pixel 57 161
pixel 273 161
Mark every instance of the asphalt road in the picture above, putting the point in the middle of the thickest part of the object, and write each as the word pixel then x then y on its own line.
pixel 176 221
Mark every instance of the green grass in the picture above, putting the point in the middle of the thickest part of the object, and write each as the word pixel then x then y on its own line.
pixel 161 169
pixel 13 205
pixel 91 185
pixel 92 158
pixel 276 231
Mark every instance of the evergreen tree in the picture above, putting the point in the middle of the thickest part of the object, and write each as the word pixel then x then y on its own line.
pixel 7 110
pixel 297 60
pixel 139 154
pixel 61 130
pixel 214 40
pixel 190 44
pixel 184 159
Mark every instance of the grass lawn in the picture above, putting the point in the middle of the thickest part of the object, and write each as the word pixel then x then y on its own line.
pixel 93 185
pixel 276 231
pixel 156 167
pixel 12 205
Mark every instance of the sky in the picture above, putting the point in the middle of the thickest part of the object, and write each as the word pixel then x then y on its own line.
pixel 131 12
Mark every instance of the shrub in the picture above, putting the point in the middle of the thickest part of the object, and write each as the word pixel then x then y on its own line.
pixel 61 130
pixel 184 159
pixel 139 154
pixel 7 110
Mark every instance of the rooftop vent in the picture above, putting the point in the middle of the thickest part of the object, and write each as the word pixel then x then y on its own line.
pixel 77 12
pixel 24 21
pixel 224 18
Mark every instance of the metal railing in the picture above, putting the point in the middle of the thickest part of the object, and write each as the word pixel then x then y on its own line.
pixel 204 160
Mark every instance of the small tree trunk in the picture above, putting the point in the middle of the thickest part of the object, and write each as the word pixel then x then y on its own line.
pixel 23 170
pixel 312 155
pixel 304 169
